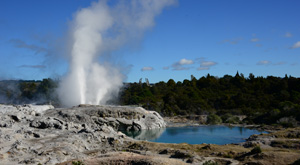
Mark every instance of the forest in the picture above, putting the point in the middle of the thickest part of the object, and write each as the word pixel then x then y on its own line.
pixel 261 99
pixel 264 100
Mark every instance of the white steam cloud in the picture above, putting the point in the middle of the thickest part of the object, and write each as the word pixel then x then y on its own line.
pixel 96 31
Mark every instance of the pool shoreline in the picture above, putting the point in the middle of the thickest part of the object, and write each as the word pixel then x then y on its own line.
pixel 266 128
pixel 196 134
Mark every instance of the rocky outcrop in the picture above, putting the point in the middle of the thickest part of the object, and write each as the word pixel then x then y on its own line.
pixel 286 138
pixel 118 117
pixel 32 134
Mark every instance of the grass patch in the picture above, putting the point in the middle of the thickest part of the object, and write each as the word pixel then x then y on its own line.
pixel 77 162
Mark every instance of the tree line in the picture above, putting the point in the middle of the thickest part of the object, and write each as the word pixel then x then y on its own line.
pixel 262 99
pixel 28 91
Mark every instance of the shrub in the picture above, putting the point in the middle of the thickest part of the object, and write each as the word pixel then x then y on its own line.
pixel 233 120
pixel 287 122
pixel 77 163
pixel 210 162
pixel 214 119
pixel 228 118
pixel 256 150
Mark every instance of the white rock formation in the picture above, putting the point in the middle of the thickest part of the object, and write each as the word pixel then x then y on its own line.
pixel 32 134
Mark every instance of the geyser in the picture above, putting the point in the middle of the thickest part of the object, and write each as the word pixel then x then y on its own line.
pixel 96 31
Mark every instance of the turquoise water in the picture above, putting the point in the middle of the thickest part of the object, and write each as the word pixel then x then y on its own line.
pixel 212 134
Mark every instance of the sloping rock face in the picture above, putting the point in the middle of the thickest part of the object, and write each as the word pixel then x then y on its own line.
pixel 41 134
pixel 118 117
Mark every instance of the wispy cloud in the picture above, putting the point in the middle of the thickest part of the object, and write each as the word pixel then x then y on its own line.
pixel 126 70
pixel 296 45
pixel 147 68
pixel 288 35
pixel 33 66
pixel 280 63
pixel 179 67
pixel 267 62
pixel 263 62
pixel 271 49
pixel 254 40
pixel 203 68
pixel 232 41
pixel 185 62
pixel 182 64
pixel 21 44
pixel 166 68
pixel 205 65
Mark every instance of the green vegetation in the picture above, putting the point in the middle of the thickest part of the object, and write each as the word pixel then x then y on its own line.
pixel 229 118
pixel 20 92
pixel 264 100
pixel 77 163
pixel 210 163
pixel 213 119
pixel 256 150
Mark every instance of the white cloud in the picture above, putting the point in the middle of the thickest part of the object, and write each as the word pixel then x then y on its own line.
pixel 280 63
pixel 288 35
pixel 181 65
pixel 264 62
pixel 203 68
pixel 296 45
pixel 254 40
pixel 147 68
pixel 207 63
pixel 185 62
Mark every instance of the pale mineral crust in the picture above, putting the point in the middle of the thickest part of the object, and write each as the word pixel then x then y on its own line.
pixel 32 134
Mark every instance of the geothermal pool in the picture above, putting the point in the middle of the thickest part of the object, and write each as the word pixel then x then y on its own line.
pixel 212 134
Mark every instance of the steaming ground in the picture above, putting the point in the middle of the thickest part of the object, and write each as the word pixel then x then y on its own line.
pixel 97 31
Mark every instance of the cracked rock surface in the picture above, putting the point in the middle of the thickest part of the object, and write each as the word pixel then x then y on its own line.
pixel 32 134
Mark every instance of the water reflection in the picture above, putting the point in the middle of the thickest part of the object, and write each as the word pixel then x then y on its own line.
pixel 145 134
pixel 195 135
pixel 241 130
pixel 180 130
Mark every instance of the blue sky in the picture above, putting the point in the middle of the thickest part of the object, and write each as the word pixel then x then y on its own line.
pixel 194 37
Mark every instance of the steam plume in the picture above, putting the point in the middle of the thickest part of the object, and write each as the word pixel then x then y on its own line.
pixel 96 31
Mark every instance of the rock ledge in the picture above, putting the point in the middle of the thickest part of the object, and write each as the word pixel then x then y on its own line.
pixel 31 134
